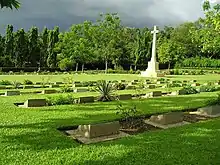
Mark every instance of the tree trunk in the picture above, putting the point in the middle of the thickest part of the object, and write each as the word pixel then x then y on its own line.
pixel 106 66
pixel 169 66
pixel 82 68
pixel 130 67
pixel 135 67
pixel 77 65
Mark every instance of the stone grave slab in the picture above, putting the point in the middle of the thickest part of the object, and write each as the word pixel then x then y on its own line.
pixel 154 94
pixel 179 92
pixel 132 83
pixel 77 85
pixel 168 120
pixel 49 91
pixel 28 86
pixel 88 99
pixel 122 81
pixel 193 81
pixel 208 84
pixel 195 84
pixel 2 87
pixel 12 93
pixel 58 83
pixel 152 86
pixel 125 97
pixel 136 81
pixel 94 133
pixel 34 103
pixel 81 90
pixel 54 86
pixel 130 87
pixel 209 111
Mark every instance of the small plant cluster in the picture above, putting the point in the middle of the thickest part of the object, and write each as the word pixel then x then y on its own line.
pixel 190 90
pixel 28 82
pixel 5 82
pixel 60 100
pixel 127 114
pixel 106 89
pixel 208 88
pixel 186 72
pixel 215 101
pixel 119 86
pixel 66 89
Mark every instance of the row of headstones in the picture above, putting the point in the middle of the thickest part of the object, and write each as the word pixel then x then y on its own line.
pixel 46 91
pixel 80 100
pixel 87 133
pixel 88 99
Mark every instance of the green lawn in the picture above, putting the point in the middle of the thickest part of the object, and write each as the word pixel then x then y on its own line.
pixel 85 77
pixel 29 136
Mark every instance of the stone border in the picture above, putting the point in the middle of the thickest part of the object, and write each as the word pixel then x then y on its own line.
pixel 166 126
pixel 73 134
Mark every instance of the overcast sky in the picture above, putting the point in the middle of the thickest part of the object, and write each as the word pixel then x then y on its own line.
pixel 135 13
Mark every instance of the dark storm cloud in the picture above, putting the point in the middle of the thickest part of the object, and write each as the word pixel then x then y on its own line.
pixel 137 13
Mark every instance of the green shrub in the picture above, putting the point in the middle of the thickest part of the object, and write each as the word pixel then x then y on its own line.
pixel 16 84
pixel 120 86
pixel 190 90
pixel 28 82
pixel 208 88
pixel 5 82
pixel 60 100
pixel 106 89
pixel 66 89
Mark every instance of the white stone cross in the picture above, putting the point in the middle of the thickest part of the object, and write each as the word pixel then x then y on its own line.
pixel 154 32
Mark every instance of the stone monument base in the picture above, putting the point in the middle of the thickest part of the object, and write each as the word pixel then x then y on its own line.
pixel 150 73
pixel 152 70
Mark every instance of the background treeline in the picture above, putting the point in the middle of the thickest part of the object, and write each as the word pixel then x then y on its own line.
pixel 107 44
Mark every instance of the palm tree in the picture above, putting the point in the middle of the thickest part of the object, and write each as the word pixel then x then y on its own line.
pixel 9 4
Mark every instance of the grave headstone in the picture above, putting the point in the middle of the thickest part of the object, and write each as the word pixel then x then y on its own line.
pixel 34 103
pixel 195 84
pixel 49 91
pixel 130 87
pixel 54 86
pixel 125 97
pixel 154 94
pixel 89 99
pixel 58 83
pixel 152 86
pixel 168 120
pixel 12 93
pixel 28 86
pixel 81 90
pixel 211 111
pixel 133 83
pixel 97 130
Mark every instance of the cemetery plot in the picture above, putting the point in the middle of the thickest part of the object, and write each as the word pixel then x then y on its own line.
pixel 94 133
pixel 33 103
pixel 12 93
pixel 168 120
pixel 210 111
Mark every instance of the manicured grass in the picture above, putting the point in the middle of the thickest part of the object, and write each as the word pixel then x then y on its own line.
pixel 85 77
pixel 29 136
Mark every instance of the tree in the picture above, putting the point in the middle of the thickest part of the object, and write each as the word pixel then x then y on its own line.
pixel 171 52
pixel 107 36
pixel 21 48
pixel 52 54
pixel 9 45
pixel 44 46
pixel 33 58
pixel 10 4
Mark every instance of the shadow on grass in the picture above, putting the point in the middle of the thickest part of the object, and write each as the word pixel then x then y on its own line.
pixel 189 144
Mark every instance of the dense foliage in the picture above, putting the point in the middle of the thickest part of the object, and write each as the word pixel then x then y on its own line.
pixel 107 44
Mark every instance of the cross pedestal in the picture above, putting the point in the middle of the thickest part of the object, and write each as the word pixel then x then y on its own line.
pixel 153 65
